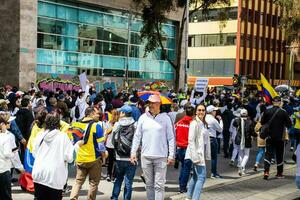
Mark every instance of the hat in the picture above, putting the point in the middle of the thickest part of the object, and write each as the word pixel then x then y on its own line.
pixel 61 96
pixel 125 109
pixel 19 93
pixel 244 113
pixel 237 112
pixel 277 99
pixel 154 98
pixel 4 101
pixel 211 108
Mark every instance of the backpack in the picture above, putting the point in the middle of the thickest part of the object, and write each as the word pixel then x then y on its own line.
pixel 77 112
pixel 122 140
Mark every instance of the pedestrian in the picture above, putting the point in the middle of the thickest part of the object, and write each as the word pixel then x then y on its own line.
pixel 198 151
pixel 261 143
pixel 233 133
pixel 81 102
pixel 90 135
pixel 52 150
pixel 155 133
pixel 109 145
pixel 245 132
pixel 122 139
pixel 182 137
pixel 278 120
pixel 6 154
pixel 227 117
pixel 296 158
pixel 214 126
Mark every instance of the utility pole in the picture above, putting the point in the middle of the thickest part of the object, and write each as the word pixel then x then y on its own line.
pixel 128 49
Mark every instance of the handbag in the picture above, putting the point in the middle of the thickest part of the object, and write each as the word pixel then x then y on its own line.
pixel 26 182
pixel 265 129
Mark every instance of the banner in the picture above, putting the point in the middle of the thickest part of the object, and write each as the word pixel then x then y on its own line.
pixel 52 84
pixel 201 84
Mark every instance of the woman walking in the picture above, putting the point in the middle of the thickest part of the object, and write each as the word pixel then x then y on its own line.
pixel 197 151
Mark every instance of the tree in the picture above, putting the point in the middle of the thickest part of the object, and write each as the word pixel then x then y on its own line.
pixel 154 14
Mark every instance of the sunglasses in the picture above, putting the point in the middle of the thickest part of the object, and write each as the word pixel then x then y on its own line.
pixel 201 110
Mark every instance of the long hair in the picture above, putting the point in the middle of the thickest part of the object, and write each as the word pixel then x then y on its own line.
pixel 203 120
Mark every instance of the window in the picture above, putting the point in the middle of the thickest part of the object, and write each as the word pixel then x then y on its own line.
pixel 206 40
pixel 214 14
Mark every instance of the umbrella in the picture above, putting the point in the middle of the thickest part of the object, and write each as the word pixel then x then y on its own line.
pixel 283 88
pixel 144 95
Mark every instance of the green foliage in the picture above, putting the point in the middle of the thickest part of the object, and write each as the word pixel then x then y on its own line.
pixel 290 21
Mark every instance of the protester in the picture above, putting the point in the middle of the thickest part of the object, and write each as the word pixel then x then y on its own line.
pixel 155 133
pixel 275 141
pixel 52 151
pixel 245 132
pixel 198 151
pixel 227 117
pixel 182 136
pixel 213 126
pixel 123 134
pixel 92 149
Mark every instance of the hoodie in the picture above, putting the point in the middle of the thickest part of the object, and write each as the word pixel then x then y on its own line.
pixel 182 131
pixel 125 121
pixel 52 151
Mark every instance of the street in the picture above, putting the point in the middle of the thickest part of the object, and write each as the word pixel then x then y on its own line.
pixel 231 186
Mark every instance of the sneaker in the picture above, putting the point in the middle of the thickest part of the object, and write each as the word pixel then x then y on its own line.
pixel 184 190
pixel 255 167
pixel 280 176
pixel 266 175
pixel 213 176
pixel 231 163
pixel 108 179
pixel 292 149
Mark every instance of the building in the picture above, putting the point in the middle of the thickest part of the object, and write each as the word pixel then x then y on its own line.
pixel 250 43
pixel 62 38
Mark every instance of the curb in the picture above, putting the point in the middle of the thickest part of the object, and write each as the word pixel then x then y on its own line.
pixel 242 179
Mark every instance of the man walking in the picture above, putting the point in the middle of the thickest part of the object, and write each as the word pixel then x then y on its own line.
pixel 279 120
pixel 88 159
pixel 122 140
pixel 156 134
pixel 182 136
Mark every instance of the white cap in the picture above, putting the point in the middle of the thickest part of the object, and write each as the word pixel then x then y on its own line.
pixel 244 113
pixel 211 108
pixel 183 102
pixel 237 112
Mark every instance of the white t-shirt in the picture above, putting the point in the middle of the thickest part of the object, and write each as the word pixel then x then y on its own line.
pixel 6 153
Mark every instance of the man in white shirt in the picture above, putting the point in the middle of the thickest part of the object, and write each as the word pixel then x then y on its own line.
pixel 214 126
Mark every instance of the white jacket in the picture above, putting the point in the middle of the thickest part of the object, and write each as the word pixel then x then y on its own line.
pixel 6 153
pixel 52 151
pixel 198 149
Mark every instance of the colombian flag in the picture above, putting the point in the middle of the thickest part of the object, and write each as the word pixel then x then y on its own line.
pixel 268 91
pixel 259 88
pixel 28 158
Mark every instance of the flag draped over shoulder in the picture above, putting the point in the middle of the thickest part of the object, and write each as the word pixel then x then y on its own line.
pixel 268 91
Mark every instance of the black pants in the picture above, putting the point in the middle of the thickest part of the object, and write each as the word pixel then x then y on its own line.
pixel 226 137
pixel 42 192
pixel 5 186
pixel 111 162
pixel 277 147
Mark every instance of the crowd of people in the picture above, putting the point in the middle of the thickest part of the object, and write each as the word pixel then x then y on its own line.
pixel 44 131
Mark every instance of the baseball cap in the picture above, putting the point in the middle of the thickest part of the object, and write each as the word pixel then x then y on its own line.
pixel 244 113
pixel 211 108
pixel 125 109
pixel 154 99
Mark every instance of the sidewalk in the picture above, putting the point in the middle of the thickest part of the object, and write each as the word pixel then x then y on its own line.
pixel 252 187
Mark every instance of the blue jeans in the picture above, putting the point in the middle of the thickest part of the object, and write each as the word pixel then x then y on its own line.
pixel 214 155
pixel 196 182
pixel 260 154
pixel 298 181
pixel 186 166
pixel 123 169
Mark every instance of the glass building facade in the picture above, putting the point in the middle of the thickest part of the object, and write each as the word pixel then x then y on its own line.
pixel 73 37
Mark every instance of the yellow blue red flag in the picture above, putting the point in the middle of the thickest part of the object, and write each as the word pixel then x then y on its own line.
pixel 268 91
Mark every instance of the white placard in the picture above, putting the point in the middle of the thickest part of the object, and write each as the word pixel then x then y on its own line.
pixel 201 84
pixel 83 79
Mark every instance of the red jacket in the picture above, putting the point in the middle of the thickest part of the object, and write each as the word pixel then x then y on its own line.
pixel 182 131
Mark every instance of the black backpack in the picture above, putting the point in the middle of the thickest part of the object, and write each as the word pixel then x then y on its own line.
pixel 122 140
